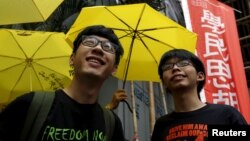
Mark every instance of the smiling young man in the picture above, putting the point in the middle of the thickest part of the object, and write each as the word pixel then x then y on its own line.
pixel 75 113
pixel 183 76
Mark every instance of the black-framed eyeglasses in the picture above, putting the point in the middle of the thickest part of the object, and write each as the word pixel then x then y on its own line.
pixel 182 63
pixel 106 45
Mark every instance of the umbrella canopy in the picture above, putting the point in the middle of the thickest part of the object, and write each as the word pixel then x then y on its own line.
pixel 32 61
pixel 26 11
pixel 144 33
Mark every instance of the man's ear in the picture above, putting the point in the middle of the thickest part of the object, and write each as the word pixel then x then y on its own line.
pixel 200 76
pixel 114 69
pixel 71 60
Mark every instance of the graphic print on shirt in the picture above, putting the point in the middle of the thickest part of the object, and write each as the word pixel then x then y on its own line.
pixel 65 134
pixel 193 131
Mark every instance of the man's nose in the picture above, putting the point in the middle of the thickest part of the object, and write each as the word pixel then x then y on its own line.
pixel 175 66
pixel 98 49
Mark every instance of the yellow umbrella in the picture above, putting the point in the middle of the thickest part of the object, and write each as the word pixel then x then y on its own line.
pixel 144 33
pixel 32 61
pixel 26 11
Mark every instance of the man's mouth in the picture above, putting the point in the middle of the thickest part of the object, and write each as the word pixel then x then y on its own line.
pixel 95 60
pixel 178 77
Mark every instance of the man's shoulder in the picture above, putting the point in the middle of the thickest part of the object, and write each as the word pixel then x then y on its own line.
pixel 18 107
pixel 21 101
pixel 220 106
pixel 223 108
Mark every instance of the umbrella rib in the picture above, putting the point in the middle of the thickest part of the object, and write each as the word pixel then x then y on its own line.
pixel 148 49
pixel 19 78
pixel 37 76
pixel 158 28
pixel 11 57
pixel 139 19
pixel 44 67
pixel 41 45
pixel 19 46
pixel 119 18
pixel 154 40
pixel 55 57
pixel 130 51
pixel 140 32
pixel 48 68
pixel 11 67
pixel 141 39
pixel 127 31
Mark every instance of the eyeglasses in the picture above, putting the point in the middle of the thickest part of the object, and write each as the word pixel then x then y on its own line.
pixel 182 63
pixel 106 45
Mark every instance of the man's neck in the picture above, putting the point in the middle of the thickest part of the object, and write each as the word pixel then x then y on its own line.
pixel 83 92
pixel 188 101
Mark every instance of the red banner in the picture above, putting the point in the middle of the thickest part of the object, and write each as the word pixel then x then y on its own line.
pixel 218 47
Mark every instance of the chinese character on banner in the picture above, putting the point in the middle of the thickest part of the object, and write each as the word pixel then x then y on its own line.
pixel 219 49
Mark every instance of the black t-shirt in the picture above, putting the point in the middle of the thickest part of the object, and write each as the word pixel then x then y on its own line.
pixel 67 120
pixel 193 126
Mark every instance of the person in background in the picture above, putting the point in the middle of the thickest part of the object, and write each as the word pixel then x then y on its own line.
pixel 183 76
pixel 75 113
pixel 118 96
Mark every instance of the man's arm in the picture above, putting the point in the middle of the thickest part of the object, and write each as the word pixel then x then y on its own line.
pixel 118 96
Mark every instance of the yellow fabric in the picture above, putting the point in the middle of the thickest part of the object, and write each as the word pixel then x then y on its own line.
pixel 32 61
pixel 26 11
pixel 153 33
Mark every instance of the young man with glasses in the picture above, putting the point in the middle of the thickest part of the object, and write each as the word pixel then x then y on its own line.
pixel 75 113
pixel 183 76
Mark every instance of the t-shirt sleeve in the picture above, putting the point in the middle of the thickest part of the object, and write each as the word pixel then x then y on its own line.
pixel 13 116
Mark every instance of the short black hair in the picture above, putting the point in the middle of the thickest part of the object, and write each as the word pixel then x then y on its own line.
pixel 184 55
pixel 102 31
